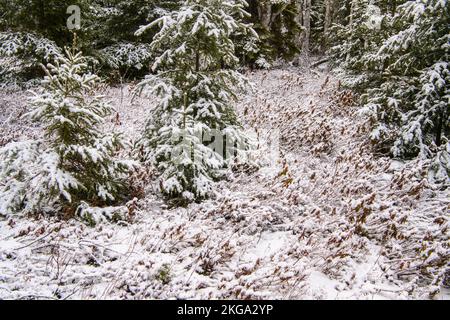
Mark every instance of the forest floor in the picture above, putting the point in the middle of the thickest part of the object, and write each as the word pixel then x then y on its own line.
pixel 290 228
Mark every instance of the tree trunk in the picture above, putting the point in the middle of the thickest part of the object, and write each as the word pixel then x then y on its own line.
pixel 306 25
pixel 439 129
pixel 197 61
pixel 352 12
pixel 329 6
pixel 394 7
pixel 265 13
pixel 40 19
pixel 299 21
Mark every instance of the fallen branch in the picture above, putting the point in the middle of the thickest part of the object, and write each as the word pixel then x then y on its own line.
pixel 318 63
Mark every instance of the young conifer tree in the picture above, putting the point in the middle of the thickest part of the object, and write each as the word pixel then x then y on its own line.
pixel 398 61
pixel 75 161
pixel 196 82
pixel 411 104
pixel 354 40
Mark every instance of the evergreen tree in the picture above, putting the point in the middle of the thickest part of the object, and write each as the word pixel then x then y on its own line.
pixel 21 55
pixel 396 56
pixel 278 28
pixel 75 161
pixel 106 34
pixel 318 13
pixel 44 18
pixel 411 104
pixel 323 14
pixel 196 83
pixel 34 33
pixel 113 32
pixel 285 29
pixel 119 19
pixel 357 38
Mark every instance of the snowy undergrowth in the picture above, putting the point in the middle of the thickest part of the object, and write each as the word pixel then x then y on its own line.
pixel 327 219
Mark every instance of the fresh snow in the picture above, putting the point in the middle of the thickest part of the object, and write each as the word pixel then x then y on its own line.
pixel 281 231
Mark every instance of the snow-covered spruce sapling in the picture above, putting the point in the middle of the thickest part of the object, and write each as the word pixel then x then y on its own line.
pixel 196 82
pixel 75 162
pixel 399 64
pixel 411 104
pixel 21 54
pixel 353 42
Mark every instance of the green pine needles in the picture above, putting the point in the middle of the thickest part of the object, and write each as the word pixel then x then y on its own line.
pixel 399 63
pixel 193 132
pixel 75 161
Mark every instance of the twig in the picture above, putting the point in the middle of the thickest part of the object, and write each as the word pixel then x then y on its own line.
pixel 318 63
pixel 37 240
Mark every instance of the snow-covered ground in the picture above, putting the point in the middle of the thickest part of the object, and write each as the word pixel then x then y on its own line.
pixel 321 218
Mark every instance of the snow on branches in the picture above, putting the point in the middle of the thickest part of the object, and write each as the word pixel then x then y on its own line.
pixel 21 53
pixel 196 83
pixel 401 69
pixel 74 161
